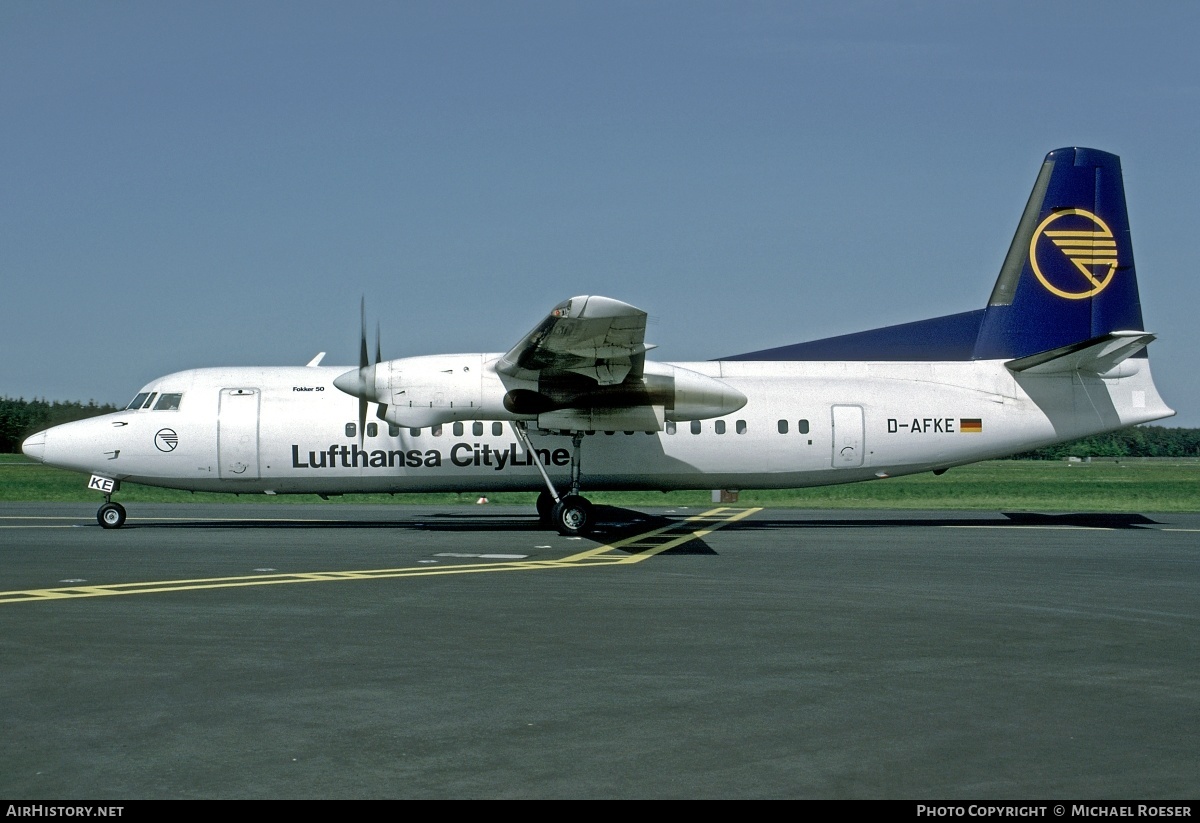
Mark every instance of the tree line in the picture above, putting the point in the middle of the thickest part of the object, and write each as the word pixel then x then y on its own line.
pixel 20 418
pixel 1138 441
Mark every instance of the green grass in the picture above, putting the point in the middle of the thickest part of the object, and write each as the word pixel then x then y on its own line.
pixel 999 484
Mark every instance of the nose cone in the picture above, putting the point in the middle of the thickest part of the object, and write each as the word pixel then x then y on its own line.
pixel 34 446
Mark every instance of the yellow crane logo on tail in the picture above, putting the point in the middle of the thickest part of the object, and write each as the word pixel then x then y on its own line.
pixel 1084 240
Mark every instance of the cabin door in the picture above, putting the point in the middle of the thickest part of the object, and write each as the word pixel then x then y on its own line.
pixel 847 437
pixel 237 434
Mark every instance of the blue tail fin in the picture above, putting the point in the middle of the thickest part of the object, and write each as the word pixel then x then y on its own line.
pixel 1069 274
pixel 1068 278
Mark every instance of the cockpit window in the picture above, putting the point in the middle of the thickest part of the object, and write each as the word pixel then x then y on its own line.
pixel 168 402
pixel 149 400
pixel 136 403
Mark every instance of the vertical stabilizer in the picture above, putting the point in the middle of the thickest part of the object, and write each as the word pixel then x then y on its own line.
pixel 1069 275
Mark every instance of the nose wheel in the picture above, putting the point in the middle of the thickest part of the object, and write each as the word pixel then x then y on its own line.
pixel 111 515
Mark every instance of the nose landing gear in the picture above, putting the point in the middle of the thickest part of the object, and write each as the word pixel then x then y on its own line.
pixel 111 515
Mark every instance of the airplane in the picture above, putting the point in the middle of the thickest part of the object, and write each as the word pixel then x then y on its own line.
pixel 1058 352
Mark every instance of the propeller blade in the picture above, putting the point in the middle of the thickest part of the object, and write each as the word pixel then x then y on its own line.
pixel 362 419
pixel 363 362
pixel 360 382
pixel 362 351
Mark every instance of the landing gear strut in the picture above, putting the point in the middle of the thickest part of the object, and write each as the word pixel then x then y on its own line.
pixel 570 513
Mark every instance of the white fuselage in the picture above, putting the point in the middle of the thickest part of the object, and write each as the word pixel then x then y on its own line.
pixel 289 430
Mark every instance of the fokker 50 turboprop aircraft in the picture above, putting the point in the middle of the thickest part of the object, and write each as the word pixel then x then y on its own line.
pixel 1058 353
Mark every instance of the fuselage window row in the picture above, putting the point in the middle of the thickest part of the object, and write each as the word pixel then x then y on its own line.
pixel 497 428
pixel 801 426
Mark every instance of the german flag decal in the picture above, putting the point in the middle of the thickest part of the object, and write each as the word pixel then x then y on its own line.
pixel 970 425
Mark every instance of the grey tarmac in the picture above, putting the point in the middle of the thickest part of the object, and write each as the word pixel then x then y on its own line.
pixel 349 651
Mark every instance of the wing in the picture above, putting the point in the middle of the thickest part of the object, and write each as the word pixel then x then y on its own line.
pixel 597 337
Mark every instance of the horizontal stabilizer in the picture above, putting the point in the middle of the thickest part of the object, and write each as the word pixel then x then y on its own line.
pixel 1099 355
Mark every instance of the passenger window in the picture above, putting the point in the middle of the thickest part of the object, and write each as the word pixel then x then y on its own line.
pixel 477 429
pixel 741 427
pixel 802 427
pixel 394 431
pixel 168 402
pixel 670 427
pixel 720 427
pixel 136 403
pixel 458 429
pixel 695 427
pixel 783 427
pixel 351 429
pixel 436 431
pixel 372 430
pixel 497 428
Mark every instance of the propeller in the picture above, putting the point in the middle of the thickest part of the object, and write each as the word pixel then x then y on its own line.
pixel 360 382
pixel 381 408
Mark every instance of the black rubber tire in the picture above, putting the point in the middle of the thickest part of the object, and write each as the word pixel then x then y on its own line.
pixel 111 516
pixel 573 515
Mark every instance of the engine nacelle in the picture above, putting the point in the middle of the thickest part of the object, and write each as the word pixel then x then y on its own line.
pixel 663 392
pixel 426 391
pixel 697 396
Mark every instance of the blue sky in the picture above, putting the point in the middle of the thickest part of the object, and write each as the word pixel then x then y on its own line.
pixel 209 183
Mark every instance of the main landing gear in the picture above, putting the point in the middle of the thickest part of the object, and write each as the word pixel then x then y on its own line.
pixel 570 513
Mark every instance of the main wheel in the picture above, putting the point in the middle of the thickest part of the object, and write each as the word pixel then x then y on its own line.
pixel 545 507
pixel 572 515
pixel 111 515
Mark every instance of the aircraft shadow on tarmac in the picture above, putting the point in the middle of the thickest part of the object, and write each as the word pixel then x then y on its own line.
pixel 1086 520
pixel 613 525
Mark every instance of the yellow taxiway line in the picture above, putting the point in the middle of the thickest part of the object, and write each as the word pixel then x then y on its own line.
pixel 641 546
